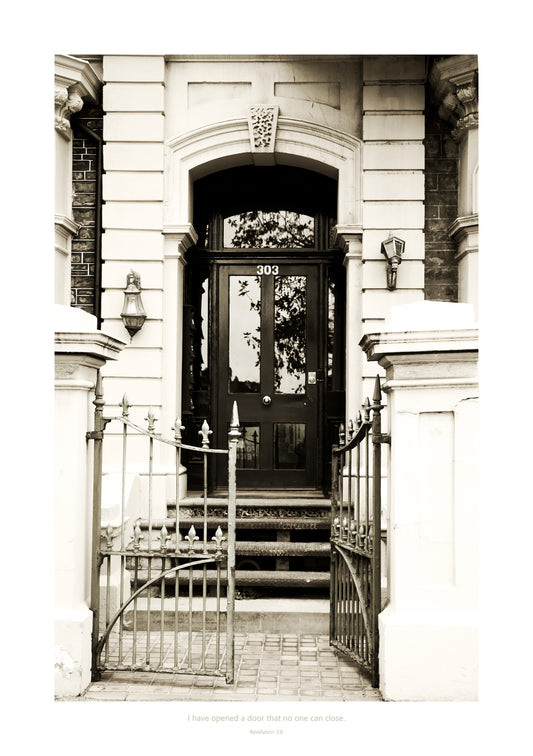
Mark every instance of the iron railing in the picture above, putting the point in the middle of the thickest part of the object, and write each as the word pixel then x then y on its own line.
pixel 174 631
pixel 355 595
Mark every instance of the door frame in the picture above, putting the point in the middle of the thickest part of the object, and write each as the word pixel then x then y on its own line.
pixel 285 407
pixel 328 412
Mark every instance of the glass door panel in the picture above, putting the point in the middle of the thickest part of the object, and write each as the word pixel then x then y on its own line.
pixel 289 446
pixel 290 318
pixel 249 447
pixel 244 334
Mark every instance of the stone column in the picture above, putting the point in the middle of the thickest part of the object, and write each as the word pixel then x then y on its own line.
pixel 428 631
pixel 349 239
pixel 75 81
pixel 454 82
pixel 80 350
pixel 178 239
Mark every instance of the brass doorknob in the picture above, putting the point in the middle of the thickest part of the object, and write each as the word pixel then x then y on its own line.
pixel 267 400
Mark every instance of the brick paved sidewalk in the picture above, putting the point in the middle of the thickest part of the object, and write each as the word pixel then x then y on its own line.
pixel 268 667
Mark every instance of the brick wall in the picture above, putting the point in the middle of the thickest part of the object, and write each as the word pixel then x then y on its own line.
pixel 441 270
pixel 84 193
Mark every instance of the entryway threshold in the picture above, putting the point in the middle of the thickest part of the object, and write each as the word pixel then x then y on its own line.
pixel 282 615
pixel 268 667
pixel 271 615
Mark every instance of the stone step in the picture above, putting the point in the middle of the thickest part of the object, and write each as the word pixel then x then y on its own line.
pixel 307 513
pixel 295 616
pixel 252 548
pixel 254 501
pixel 274 494
pixel 243 523
pixel 271 578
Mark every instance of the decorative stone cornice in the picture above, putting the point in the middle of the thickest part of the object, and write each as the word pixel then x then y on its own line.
pixel 463 226
pixel 454 82
pixel 350 240
pixel 74 82
pixel 465 231
pixel 184 235
pixel 65 225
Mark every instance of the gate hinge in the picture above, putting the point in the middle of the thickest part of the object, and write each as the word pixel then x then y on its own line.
pixel 98 435
pixel 94 435
pixel 381 438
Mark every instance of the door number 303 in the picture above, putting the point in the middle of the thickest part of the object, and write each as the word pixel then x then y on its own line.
pixel 267 270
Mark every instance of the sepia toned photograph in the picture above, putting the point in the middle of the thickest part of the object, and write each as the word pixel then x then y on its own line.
pixel 266 380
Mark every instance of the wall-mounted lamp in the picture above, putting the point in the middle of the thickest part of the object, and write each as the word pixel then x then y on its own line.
pixel 133 313
pixel 392 248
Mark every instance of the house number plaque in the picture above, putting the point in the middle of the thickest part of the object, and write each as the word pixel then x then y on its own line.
pixel 267 270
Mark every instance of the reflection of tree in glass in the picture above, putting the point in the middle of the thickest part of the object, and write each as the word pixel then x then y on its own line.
pixel 281 228
pixel 289 332
pixel 253 340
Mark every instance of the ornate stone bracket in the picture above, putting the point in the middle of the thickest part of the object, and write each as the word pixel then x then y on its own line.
pixel 67 101
pixel 75 80
pixel 455 88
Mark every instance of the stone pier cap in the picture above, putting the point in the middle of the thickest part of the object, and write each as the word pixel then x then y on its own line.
pixel 423 327
pixel 76 332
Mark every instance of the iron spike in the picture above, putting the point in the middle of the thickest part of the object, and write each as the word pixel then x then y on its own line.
pixel 99 388
pixel 125 406
pixel 137 535
pixel 177 428
pixel 109 536
pixel 205 432
pixel 164 537
pixel 235 416
pixel 151 418
pixel 191 537
pixel 377 391
pixel 218 538
pixel 234 431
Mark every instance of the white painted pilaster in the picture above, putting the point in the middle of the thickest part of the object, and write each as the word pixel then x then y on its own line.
pixel 349 239
pixel 177 240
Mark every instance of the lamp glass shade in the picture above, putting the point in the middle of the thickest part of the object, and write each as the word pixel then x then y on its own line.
pixel 392 247
pixel 133 313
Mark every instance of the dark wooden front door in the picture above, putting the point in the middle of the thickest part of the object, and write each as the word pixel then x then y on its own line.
pixel 268 353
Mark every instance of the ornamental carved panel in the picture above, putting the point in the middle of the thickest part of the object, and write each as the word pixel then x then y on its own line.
pixel 262 122
pixel 258 512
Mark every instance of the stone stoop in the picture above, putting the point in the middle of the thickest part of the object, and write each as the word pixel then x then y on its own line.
pixel 282 563
pixel 282 544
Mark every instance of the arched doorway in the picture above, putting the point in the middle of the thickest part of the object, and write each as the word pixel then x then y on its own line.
pixel 264 324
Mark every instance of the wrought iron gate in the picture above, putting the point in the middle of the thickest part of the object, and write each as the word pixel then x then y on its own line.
pixel 125 576
pixel 356 538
